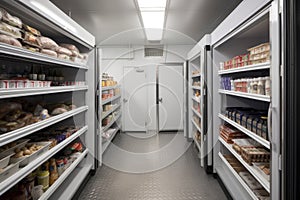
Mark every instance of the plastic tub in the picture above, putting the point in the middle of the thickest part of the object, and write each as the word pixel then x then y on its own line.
pixel 4 84
pixel 4 160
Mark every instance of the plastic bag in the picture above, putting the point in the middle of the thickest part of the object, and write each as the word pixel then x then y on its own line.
pixel 47 43
pixel 10 30
pixel 31 40
pixel 12 20
pixel 62 50
pixel 10 40
pixel 31 30
pixel 49 52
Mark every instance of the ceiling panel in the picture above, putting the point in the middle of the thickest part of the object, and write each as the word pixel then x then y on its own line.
pixel 117 21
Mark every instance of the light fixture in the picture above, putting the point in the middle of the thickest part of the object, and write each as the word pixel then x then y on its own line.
pixel 153 16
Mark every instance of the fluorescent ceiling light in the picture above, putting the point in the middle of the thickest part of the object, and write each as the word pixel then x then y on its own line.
pixel 153 19
pixel 154 34
pixel 153 16
pixel 146 4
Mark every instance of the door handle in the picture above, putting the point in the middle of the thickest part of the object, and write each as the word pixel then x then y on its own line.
pixel 125 100
pixel 160 100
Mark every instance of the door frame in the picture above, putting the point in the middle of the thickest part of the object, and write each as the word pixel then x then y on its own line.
pixel 157 97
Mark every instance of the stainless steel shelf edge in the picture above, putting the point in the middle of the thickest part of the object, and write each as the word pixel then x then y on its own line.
pixel 197 143
pixel 257 97
pixel 27 130
pixel 110 87
pixel 196 87
pixel 253 172
pixel 63 176
pixel 260 66
pixel 111 123
pixel 197 127
pixel 23 53
pixel 197 113
pixel 107 143
pixel 11 93
pixel 71 184
pixel 257 138
pixel 235 174
pixel 109 112
pixel 196 75
pixel 111 99
pixel 196 100
pixel 23 172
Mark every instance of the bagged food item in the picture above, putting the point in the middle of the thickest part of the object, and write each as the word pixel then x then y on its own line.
pixel 10 30
pixel 33 49
pixel 58 111
pixel 71 47
pixel 31 40
pixel 31 30
pixel 63 56
pixel 8 107
pixel 10 40
pixel 47 43
pixel 49 52
pixel 12 20
pixel 62 50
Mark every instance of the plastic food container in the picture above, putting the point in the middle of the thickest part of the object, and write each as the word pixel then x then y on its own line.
pixel 20 143
pixel 4 84
pixel 4 160
pixel 25 160
pixel 43 179
pixel 9 171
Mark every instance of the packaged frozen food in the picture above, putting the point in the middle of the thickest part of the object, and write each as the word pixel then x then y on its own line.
pixel 31 40
pixel 63 56
pixel 12 20
pixel 31 30
pixel 30 48
pixel 62 50
pixel 71 47
pixel 58 111
pixel 49 52
pixel 47 43
pixel 10 40
pixel 8 107
pixel 10 30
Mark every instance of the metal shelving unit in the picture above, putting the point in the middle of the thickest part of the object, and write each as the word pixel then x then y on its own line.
pixel 246 95
pixel 105 114
pixel 8 183
pixel 198 71
pixel 82 96
pixel 114 123
pixel 262 22
pixel 237 176
pixel 11 93
pixel 27 130
pixel 257 138
pixel 247 68
pixel 265 183
pixel 63 177
pixel 107 143
pixel 110 99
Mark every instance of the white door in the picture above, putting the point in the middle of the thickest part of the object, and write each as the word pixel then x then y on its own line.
pixel 135 103
pixel 170 96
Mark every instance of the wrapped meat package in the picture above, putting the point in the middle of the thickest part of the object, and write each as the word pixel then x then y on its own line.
pixel 62 50
pixel 71 47
pixel 31 30
pixel 10 40
pixel 12 20
pixel 31 40
pixel 10 30
pixel 49 52
pixel 48 43
pixel 63 56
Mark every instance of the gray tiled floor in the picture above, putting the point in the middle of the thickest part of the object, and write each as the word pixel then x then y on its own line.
pixel 184 179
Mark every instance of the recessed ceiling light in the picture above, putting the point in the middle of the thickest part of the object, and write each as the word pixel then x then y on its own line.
pixel 153 16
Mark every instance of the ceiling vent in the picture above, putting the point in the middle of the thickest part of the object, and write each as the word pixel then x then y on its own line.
pixel 154 51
